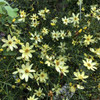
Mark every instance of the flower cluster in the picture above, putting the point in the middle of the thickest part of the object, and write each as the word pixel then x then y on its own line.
pixel 50 55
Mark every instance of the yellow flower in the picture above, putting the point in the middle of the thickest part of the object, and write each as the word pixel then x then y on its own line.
pixel 39 92
pixel 85 28
pixel 69 34
pixel 98 17
pixel 79 2
pixel 32 98
pixel 26 51
pixel 18 80
pixel 83 9
pixel 89 64
pixel 97 51
pixel 45 31
pixel 32 9
pixel 14 20
pixel 34 23
pixel 55 35
pixel 73 88
pixel 75 19
pixel 41 62
pixel 70 84
pixel 88 39
pixel 13 86
pixel 4 57
pixel 80 31
pixel 52 24
pixel 62 34
pixel 25 72
pixel 93 7
pixel 80 76
pixel 65 20
pixel 46 10
pixel 10 43
pixel 54 21
pixel 43 77
pixel 1 50
pixel 64 70
pixel 42 14
pixel 36 37
pixel 22 15
pixel 18 41
pixel 57 88
pixel 79 86
pixel 34 17
pixel 74 42
pixel 58 65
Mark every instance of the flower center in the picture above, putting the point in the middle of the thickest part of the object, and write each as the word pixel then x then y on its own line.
pixel 57 63
pixel 75 18
pixel 88 39
pixel 10 42
pixel 39 93
pixel 42 75
pixel 36 38
pixel 80 77
pixel 66 20
pixel 26 71
pixel 89 64
pixel 27 50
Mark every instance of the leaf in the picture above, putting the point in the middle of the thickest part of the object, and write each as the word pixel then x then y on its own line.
pixel 9 53
pixel 3 2
pixel 1 10
pixel 15 9
pixel 11 12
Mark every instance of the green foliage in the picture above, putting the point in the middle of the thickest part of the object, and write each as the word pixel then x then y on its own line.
pixel 75 51
pixel 5 7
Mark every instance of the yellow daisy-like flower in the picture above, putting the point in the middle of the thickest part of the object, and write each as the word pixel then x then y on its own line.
pixel 97 51
pixel 32 98
pixel 46 10
pixel 58 65
pixel 57 88
pixel 64 70
pixel 75 19
pixel 88 39
pixel 34 17
pixel 10 43
pixel 44 31
pixel 43 77
pixel 25 72
pixel 54 21
pixel 26 51
pixel 65 20
pixel 80 76
pixel 34 23
pixel 72 88
pixel 22 15
pixel 39 92
pixel 89 64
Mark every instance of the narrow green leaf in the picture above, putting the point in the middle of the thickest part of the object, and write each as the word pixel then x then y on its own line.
pixel 9 53
pixel 1 12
